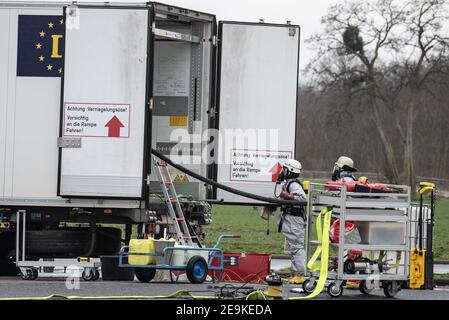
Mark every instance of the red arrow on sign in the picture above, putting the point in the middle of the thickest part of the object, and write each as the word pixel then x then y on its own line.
pixel 114 126
pixel 277 168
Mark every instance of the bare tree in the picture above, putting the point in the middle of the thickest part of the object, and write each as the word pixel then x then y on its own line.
pixel 387 51
pixel 427 39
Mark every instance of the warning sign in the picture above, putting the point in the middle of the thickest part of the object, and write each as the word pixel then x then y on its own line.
pixel 181 178
pixel 96 120
pixel 257 166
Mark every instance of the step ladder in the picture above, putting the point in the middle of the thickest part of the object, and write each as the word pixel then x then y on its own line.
pixel 185 233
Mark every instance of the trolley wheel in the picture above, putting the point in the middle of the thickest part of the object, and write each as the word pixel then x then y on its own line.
pixel 145 274
pixel 308 286
pixel 197 269
pixel 391 288
pixel 363 287
pixel 96 274
pixel 335 290
pixel 87 275
pixel 34 274
pixel 26 275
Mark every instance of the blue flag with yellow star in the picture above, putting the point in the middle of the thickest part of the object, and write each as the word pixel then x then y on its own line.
pixel 40 46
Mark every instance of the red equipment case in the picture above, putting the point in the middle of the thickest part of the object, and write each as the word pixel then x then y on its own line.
pixel 244 267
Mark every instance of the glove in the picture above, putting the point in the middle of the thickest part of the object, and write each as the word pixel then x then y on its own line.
pixel 286 195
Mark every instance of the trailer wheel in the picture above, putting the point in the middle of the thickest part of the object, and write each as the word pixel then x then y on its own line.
pixel 363 287
pixel 308 286
pixel 71 242
pixel 335 291
pixel 197 269
pixel 391 288
pixel 145 274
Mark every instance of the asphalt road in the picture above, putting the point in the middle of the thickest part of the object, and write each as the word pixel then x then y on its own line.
pixel 42 287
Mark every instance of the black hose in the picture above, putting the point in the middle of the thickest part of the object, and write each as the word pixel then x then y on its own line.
pixel 226 188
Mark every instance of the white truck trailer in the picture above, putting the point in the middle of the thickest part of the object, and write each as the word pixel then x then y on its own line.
pixel 87 90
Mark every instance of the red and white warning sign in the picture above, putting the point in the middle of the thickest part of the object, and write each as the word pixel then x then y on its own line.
pixel 257 165
pixel 96 120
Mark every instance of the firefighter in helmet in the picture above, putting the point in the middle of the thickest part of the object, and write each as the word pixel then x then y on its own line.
pixel 343 170
pixel 291 220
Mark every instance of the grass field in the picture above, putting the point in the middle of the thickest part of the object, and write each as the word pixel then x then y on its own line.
pixel 441 244
pixel 246 221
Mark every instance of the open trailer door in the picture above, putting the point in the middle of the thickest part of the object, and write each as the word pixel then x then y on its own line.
pixel 105 102
pixel 257 105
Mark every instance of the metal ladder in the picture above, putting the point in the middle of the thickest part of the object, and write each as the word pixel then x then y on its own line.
pixel 185 233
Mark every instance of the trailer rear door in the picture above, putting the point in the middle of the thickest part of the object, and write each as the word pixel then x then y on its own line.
pixel 257 105
pixel 104 107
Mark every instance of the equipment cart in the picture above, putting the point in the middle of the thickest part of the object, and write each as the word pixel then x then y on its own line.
pixel 196 262
pixel 376 257
pixel 29 269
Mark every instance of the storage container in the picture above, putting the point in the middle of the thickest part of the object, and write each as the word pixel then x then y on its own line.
pixel 389 233
pixel 141 246
pixel 182 257
pixel 159 246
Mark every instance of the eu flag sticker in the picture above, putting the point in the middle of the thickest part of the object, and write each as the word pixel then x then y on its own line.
pixel 40 45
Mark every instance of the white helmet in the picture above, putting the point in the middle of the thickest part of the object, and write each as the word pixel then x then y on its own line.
pixel 293 166
pixel 346 162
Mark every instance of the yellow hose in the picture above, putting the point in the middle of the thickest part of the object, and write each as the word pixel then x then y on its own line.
pixel 322 250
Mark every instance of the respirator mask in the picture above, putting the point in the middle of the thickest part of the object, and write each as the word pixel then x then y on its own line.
pixel 283 175
pixel 336 173
pixel 286 174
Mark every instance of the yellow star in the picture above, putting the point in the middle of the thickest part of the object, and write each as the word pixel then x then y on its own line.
pixel 50 25
pixel 60 70
pixel 49 67
pixel 42 33
pixel 41 58
pixel 38 46
pixel 61 21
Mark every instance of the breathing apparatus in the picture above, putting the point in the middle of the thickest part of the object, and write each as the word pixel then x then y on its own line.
pixel 290 170
pixel 343 164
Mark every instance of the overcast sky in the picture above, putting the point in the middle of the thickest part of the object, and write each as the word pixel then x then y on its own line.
pixel 306 13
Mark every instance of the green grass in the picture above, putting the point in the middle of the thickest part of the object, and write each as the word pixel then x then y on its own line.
pixel 441 240
pixel 247 222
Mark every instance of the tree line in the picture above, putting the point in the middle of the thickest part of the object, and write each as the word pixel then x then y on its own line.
pixel 378 90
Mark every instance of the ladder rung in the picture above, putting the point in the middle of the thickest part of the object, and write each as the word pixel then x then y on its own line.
pixel 173 200
pixel 179 219
pixel 187 237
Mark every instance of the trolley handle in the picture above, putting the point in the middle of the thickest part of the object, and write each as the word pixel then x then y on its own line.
pixel 226 236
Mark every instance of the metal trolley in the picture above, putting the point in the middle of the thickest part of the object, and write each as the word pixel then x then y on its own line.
pixel 196 265
pixel 382 245
pixel 29 269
